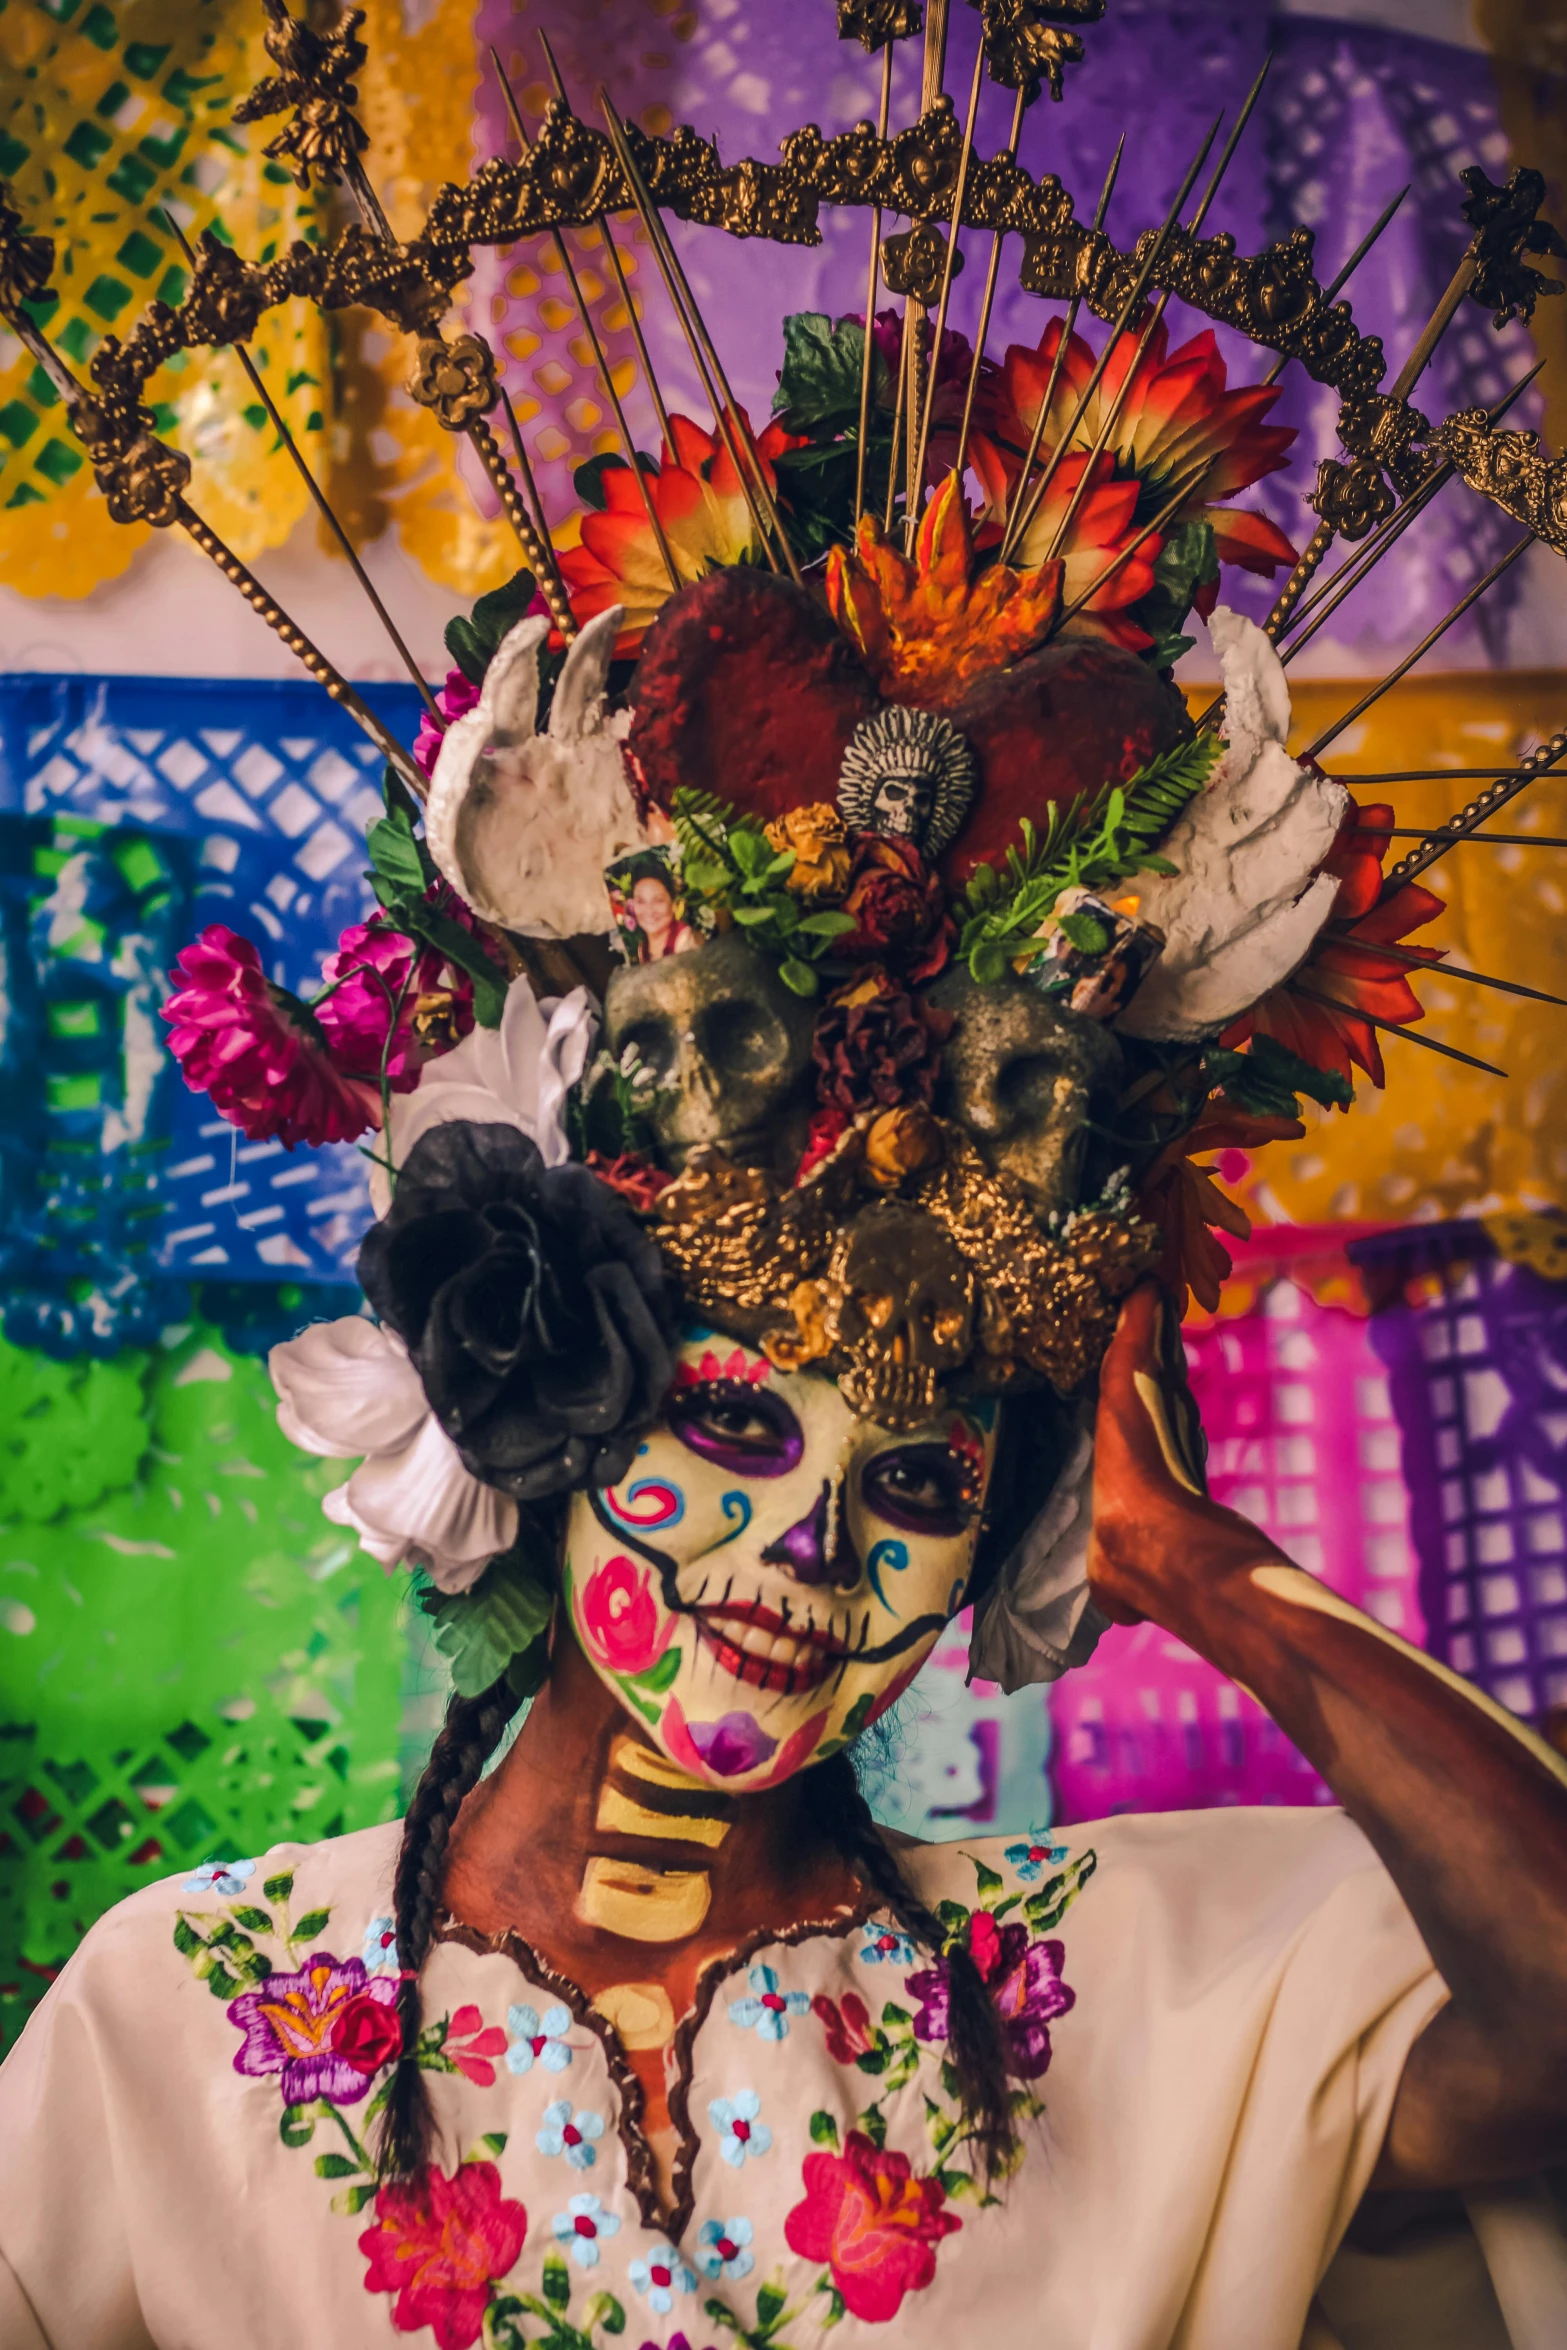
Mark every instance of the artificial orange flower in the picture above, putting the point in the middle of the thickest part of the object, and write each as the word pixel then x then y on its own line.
pixel 1185 1202
pixel 1344 963
pixel 1179 414
pixel 706 518
pixel 926 627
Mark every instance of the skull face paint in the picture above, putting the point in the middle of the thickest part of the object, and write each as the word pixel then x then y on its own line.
pixel 772 1570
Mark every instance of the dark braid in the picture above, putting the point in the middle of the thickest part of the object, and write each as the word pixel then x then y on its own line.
pixel 469 1736
pixel 976 2049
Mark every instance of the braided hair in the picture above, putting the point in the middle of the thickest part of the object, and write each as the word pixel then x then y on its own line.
pixel 473 1729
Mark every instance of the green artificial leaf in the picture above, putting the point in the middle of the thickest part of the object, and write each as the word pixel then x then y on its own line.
pixel 557 2281
pixel 297 2125
pixel 588 479
pixel 661 1676
pixel 314 1921
pixel 1085 932
pixel 824 2130
pixel 1266 1079
pixel 819 387
pixel 873 2061
pixel 828 924
pixel 798 976
pixel 396 856
pixel 837 2307
pixel 256 1920
pixel 1187 561
pixel 460 947
pixel 472 643
pixel 335 2166
pixel 494 2141
pixel 959 2185
pixel 279 1888
pixel 479 1631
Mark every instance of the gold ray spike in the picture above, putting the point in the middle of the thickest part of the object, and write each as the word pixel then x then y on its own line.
pixel 992 273
pixel 1331 733
pixel 601 222
pixel 758 496
pixel 1023 516
pixel 899 401
pixel 948 268
pixel 873 281
pixel 535 501
pixel 600 355
pixel 1332 292
pixel 1464 825
pixel 1460 840
pixel 1430 775
pixel 1449 1052
pixel 253 377
pixel 1056 364
pixel 1155 318
pixel 1418 961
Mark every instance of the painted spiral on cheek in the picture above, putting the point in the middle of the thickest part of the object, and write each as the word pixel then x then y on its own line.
pixel 649 1503
pixel 889 1555
pixel 736 1507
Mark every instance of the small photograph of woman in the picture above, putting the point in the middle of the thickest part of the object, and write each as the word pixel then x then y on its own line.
pixel 649 908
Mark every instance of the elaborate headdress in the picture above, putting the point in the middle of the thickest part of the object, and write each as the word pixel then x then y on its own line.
pixel 971 939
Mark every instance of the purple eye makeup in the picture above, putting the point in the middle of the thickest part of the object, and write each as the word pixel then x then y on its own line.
pixel 747 1431
pixel 920 1488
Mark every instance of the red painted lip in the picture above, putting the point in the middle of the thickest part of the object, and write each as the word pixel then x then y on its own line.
pixel 808 1671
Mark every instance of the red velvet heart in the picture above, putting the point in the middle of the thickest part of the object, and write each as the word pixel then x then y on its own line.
pixel 748 689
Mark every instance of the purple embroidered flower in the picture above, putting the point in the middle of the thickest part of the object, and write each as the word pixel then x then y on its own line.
pixel 767 2011
pixel 734 1743
pixel 221 1876
pixel 1022 1977
pixel 321 2031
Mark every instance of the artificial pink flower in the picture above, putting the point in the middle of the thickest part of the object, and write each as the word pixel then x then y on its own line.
pixel 455 699
pixel 258 1051
pixel 377 971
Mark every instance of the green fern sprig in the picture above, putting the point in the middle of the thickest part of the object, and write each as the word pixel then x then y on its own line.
pixel 730 864
pixel 1093 843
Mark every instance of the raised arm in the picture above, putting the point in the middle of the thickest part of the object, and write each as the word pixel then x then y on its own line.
pixel 1466 1807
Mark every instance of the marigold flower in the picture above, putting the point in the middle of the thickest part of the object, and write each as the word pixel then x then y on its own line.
pixel 821 850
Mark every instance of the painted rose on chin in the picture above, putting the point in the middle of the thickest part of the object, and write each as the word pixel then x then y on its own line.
pixel 621 1616
pixel 736 1745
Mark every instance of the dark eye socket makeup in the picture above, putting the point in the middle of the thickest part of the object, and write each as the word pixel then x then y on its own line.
pixel 748 1430
pixel 922 1488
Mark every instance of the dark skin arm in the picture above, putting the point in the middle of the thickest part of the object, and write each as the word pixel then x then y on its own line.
pixel 1465 1807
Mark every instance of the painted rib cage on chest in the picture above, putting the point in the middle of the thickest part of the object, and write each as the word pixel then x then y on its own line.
pixel 645 1801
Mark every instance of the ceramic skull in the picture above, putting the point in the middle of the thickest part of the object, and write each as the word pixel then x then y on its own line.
pixel 1018 1074
pixel 729 1047
pixel 901 1304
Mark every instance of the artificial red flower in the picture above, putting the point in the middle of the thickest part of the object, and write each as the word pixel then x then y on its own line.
pixel 636 1179
pixel 874 2223
pixel 706 518
pixel 438 2245
pixel 1185 1202
pixel 368 2033
pixel 386 986
pixel 1345 965
pixel 484 2042
pixel 1101 531
pixel 899 908
pixel 849 2033
pixel 257 1051
pixel 822 1137
pixel 1178 415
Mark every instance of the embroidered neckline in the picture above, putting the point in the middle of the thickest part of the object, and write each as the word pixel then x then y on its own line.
pixel 630 2101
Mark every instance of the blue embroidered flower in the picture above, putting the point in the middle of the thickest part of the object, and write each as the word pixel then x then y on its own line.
pixel 540 2039
pixel 661 2276
pixel 221 1876
pixel 1033 1854
pixel 725 2248
pixel 581 2227
pixel 573 2138
pixel 767 2011
pixel 885 1945
pixel 380 1948
pixel 740 2133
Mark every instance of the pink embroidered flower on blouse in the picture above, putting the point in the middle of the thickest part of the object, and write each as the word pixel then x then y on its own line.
pixel 482 2043
pixel 292 2026
pixel 257 1050
pixel 1022 1977
pixel 439 2244
pixel 454 699
pixel 874 2223
pixel 384 984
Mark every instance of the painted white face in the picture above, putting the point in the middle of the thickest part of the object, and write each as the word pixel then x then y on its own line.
pixel 771 1572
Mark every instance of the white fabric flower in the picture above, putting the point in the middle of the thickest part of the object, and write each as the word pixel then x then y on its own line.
pixel 347 1388
pixel 518 1074
pixel 1248 898
pixel 523 824
pixel 1038 1619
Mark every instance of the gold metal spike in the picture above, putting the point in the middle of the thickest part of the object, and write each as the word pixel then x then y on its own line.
pixel 992 272
pixel 1420 962
pixel 1459 828
pixel 1450 1052
pixel 928 405
pixel 1331 293
pixel 872 285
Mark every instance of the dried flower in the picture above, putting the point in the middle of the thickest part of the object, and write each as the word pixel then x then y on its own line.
pixel 898 905
pixel 258 1051
pixel 877 1055
pixel 899 1143
pixel 821 851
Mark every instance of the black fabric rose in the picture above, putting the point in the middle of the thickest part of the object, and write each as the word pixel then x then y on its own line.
pixel 533 1305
